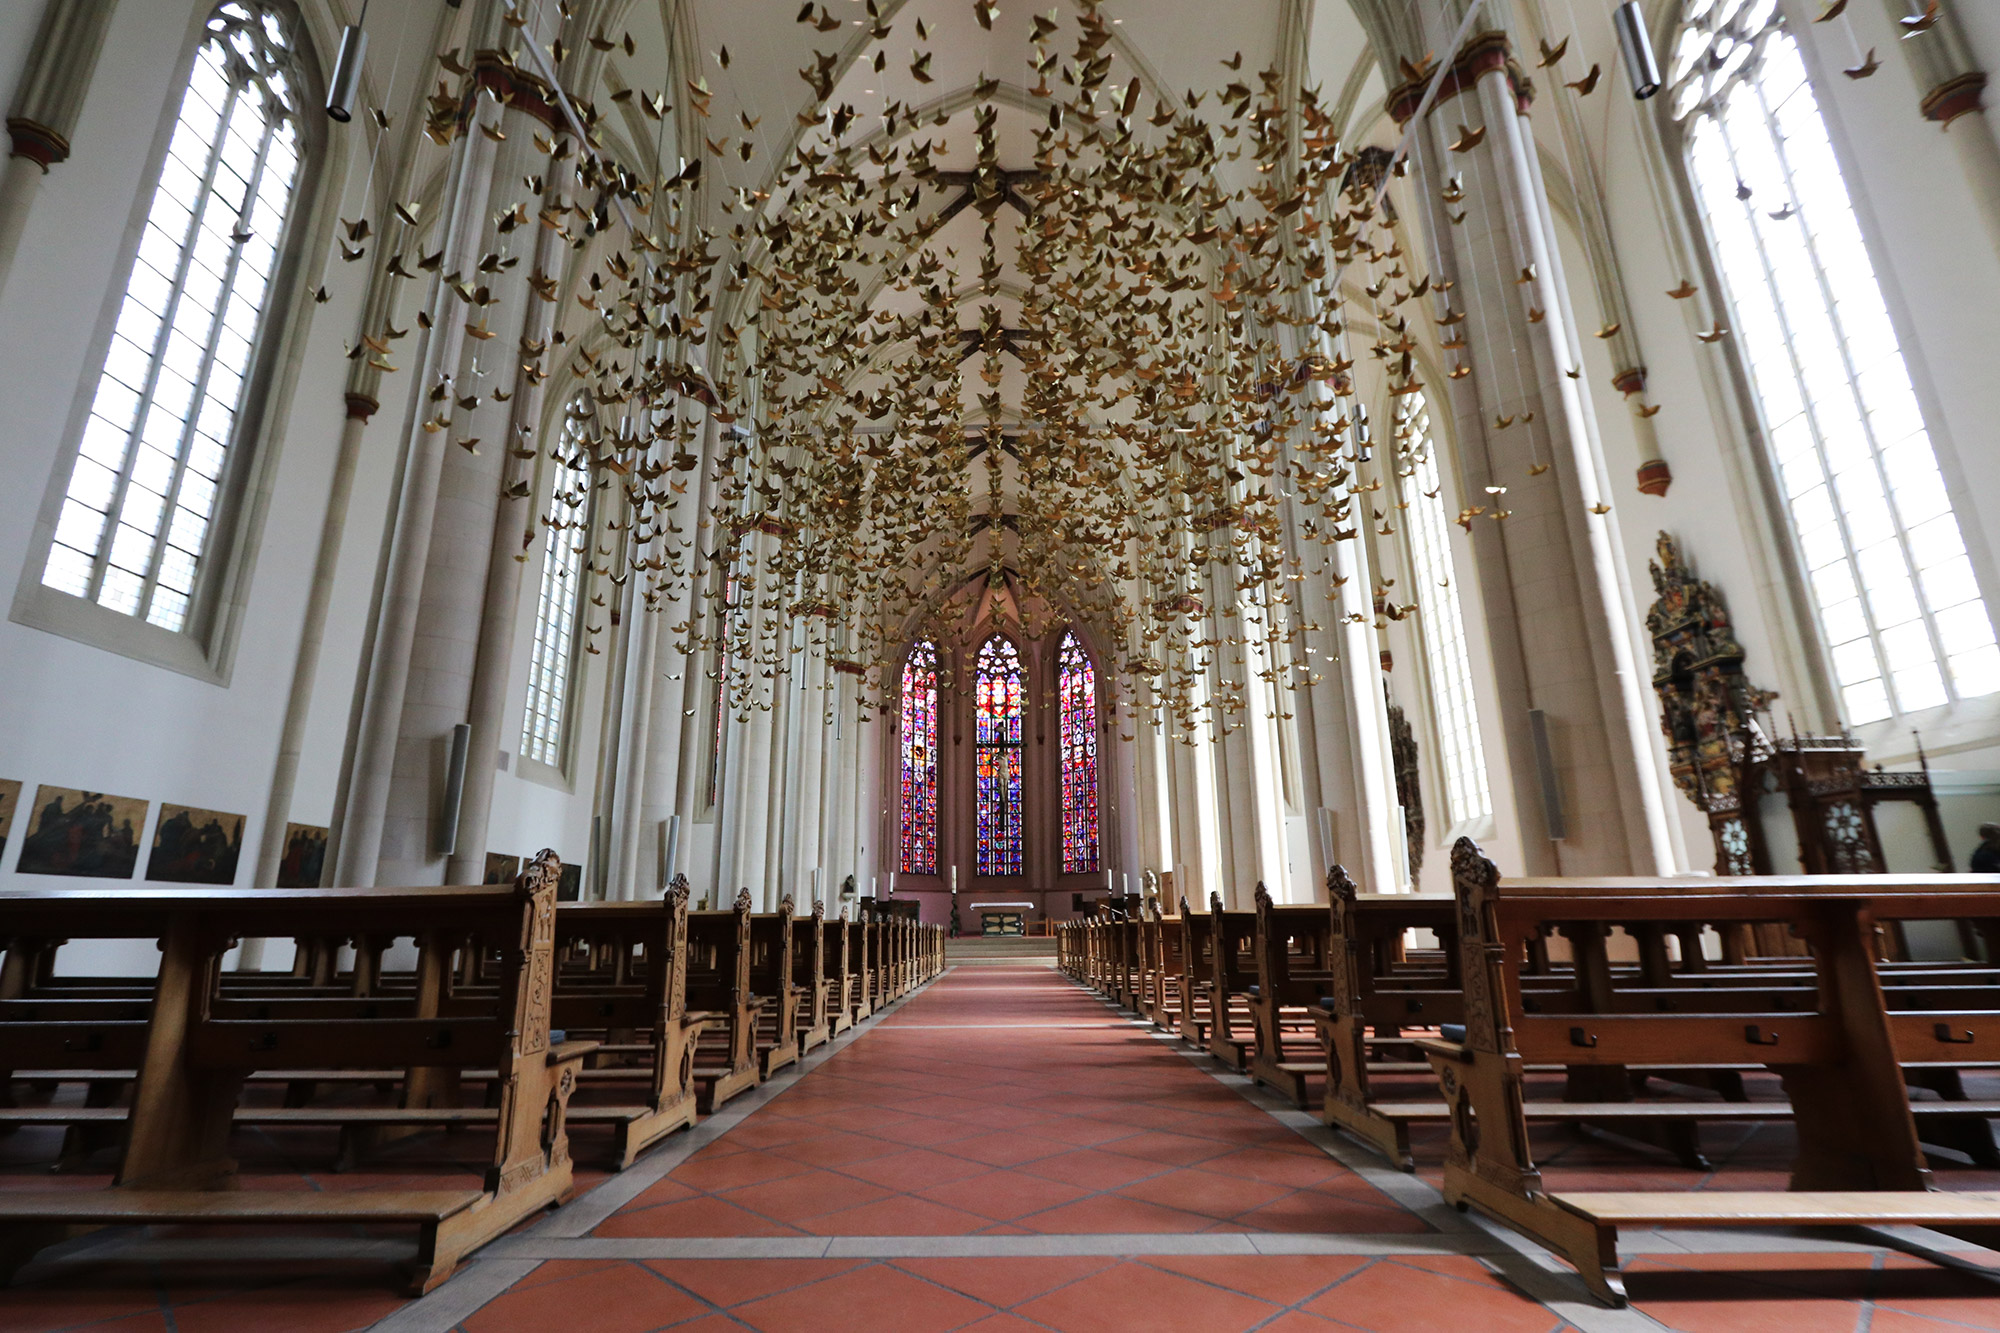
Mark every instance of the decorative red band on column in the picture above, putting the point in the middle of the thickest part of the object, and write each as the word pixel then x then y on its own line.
pixel 497 72
pixel 1655 476
pixel 37 142
pixel 1485 53
pixel 361 406
pixel 1954 98
pixel 847 668
pixel 1388 661
pixel 1629 381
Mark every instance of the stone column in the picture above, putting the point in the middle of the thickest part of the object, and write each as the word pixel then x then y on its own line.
pixel 312 635
pixel 514 528
pixel 1561 623
pixel 1953 88
pixel 379 734
pixel 60 65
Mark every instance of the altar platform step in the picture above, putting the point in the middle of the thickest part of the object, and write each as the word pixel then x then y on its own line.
pixel 999 949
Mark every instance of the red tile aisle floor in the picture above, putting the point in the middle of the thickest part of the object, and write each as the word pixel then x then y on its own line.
pixel 1002 1152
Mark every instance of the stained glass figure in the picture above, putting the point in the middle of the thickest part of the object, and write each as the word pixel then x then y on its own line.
pixel 920 773
pixel 997 758
pixel 1076 687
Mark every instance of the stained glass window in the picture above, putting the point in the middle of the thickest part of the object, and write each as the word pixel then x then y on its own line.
pixel 1899 609
pixel 1076 685
pixel 997 758
pixel 148 478
pixel 552 663
pixel 920 770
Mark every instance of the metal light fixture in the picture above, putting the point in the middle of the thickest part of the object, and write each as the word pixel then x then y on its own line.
pixel 346 83
pixel 1637 49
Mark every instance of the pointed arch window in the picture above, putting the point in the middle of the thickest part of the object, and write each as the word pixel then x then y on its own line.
pixel 1441 618
pixel 725 627
pixel 920 765
pixel 136 526
pixel 552 663
pixel 997 758
pixel 1076 689
pixel 1902 616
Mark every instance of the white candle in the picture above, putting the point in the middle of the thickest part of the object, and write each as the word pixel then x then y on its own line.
pixel 815 883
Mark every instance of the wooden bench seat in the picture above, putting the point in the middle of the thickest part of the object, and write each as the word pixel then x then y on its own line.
pixel 190 1065
pixel 450 1223
pixel 1838 1062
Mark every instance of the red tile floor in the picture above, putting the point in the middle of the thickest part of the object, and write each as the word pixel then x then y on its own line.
pixel 1004 1102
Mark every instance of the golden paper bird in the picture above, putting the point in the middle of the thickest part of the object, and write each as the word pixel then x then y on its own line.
pixel 1468 139
pixel 1865 69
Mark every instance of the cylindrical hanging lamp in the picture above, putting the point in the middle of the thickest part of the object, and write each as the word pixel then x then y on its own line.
pixel 346 83
pixel 1637 49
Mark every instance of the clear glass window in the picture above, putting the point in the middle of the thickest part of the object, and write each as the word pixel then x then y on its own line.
pixel 1902 616
pixel 135 522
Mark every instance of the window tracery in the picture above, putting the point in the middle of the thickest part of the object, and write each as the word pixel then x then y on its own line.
pixel 138 513
pixel 552 661
pixel 1076 688
pixel 997 758
pixel 1899 608
pixel 919 760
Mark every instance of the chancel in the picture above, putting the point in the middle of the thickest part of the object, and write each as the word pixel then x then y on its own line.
pixel 938 663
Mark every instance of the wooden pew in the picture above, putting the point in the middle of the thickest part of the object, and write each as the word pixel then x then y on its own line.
pixel 1232 935
pixel 1291 945
pixel 718 982
pixel 836 938
pixel 191 1060
pixel 1859 1162
pixel 771 981
pixel 861 976
pixel 1171 979
pixel 653 1003
pixel 1197 976
pixel 1368 992
pixel 813 1024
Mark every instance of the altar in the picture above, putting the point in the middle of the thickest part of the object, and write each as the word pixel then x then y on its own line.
pixel 1003 918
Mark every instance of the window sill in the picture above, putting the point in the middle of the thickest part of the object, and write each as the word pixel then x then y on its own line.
pixel 543 775
pixel 44 608
pixel 1969 724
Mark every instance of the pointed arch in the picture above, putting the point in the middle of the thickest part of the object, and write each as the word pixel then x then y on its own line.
pixel 552 661
pixel 1076 692
pixel 1901 615
pixel 919 760
pixel 997 758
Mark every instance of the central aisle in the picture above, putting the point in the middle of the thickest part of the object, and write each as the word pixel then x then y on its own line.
pixel 1004 1101
pixel 1000 1104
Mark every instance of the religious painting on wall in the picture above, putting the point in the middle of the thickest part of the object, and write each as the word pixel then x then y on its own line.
pixel 10 798
pixel 569 889
pixel 194 846
pixel 501 869
pixel 83 833
pixel 305 857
